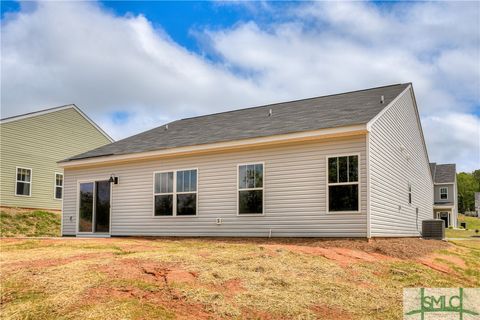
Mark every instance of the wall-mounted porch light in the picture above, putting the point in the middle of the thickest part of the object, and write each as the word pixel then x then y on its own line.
pixel 113 179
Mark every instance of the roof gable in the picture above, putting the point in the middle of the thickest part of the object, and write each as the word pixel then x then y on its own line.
pixel 56 109
pixel 332 111
pixel 443 173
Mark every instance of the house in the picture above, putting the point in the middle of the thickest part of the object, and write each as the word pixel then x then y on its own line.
pixel 32 144
pixel 344 165
pixel 445 193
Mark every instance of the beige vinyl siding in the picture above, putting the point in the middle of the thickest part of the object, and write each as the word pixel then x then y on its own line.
pixel 294 184
pixel 391 172
pixel 38 142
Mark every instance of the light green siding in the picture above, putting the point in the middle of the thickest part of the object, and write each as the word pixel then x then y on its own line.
pixel 38 142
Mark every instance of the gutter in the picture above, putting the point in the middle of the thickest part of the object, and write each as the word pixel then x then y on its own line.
pixel 353 130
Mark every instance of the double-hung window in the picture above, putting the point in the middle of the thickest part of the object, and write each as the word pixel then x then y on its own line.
pixel 443 193
pixel 23 183
pixel 58 186
pixel 175 193
pixel 343 184
pixel 250 188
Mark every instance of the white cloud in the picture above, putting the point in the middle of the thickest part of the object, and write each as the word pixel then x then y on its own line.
pixel 78 52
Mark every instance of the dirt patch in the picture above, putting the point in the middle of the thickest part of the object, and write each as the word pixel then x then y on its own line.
pixel 341 256
pixel 331 313
pixel 434 261
pixel 436 265
pixel 452 259
pixel 161 276
pixel 135 269
pixel 402 248
pixel 231 287
pixel 55 262
pixel 176 304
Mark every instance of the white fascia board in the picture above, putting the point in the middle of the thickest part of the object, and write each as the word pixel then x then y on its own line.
pixel 276 139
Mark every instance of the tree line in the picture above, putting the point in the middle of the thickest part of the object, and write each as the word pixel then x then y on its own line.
pixel 468 184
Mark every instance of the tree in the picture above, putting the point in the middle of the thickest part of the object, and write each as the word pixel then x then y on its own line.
pixel 467 186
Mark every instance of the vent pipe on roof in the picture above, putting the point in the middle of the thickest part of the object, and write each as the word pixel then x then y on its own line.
pixel 270 112
pixel 382 99
pixel 166 127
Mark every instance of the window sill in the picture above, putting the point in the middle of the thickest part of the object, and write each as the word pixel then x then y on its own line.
pixel 24 196
pixel 344 212
pixel 175 216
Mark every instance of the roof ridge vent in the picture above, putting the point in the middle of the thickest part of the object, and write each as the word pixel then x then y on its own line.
pixel 270 112
pixel 382 99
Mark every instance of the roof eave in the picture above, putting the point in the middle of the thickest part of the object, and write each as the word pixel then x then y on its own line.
pixel 352 130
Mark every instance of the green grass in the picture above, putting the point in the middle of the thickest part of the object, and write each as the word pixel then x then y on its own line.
pixel 473 224
pixel 23 223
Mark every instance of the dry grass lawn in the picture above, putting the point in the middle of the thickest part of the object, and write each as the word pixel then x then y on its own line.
pixel 136 278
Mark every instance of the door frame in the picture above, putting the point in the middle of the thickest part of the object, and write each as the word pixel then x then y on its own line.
pixel 77 209
pixel 448 216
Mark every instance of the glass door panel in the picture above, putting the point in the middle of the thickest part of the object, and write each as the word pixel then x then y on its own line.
pixel 102 206
pixel 85 223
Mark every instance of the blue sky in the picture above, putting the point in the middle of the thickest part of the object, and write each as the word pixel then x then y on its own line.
pixel 136 65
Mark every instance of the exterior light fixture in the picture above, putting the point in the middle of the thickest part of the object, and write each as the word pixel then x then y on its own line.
pixel 113 179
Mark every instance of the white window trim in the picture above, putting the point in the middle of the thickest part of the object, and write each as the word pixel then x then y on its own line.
pixel 174 193
pixel 342 183
pixel 440 192
pixel 30 182
pixel 55 185
pixel 250 189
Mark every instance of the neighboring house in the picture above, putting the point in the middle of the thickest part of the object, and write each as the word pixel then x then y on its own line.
pixel 445 193
pixel 344 165
pixel 477 204
pixel 32 144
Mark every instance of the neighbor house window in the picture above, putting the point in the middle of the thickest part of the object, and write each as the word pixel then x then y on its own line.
pixel 58 185
pixel 250 189
pixel 444 193
pixel 23 183
pixel 175 193
pixel 343 186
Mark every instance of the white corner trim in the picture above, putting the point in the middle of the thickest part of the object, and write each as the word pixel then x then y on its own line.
pixel 369 186
pixel 218 146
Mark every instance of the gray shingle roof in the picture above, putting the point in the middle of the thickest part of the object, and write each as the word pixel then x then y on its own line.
pixel 330 111
pixel 443 173
pixel 443 204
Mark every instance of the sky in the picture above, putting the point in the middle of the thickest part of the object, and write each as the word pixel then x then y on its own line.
pixel 132 66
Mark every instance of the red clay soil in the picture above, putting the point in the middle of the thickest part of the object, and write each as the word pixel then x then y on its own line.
pixel 435 262
pixel 54 262
pixel 170 301
pixel 342 256
pixel 330 313
pixel 162 276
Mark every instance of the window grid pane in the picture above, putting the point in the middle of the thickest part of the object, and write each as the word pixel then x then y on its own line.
pixel 23 175
pixel 353 168
pixel 342 169
pixel 250 176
